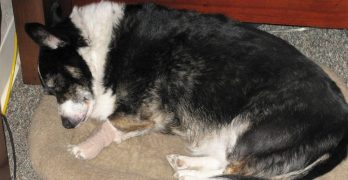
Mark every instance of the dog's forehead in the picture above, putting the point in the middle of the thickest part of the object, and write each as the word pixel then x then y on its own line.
pixel 48 62
pixel 52 63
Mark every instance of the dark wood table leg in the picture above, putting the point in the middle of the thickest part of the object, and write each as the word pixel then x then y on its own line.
pixel 28 11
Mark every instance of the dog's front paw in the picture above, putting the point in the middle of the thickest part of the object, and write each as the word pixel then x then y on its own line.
pixel 117 139
pixel 77 152
pixel 176 161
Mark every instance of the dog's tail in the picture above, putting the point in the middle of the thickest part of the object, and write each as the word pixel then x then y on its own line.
pixel 237 177
pixel 336 156
pixel 299 174
pixel 291 175
pixel 321 166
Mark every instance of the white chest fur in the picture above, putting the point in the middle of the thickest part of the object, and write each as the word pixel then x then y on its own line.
pixel 96 23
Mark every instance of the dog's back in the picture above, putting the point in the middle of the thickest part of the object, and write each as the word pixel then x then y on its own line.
pixel 281 113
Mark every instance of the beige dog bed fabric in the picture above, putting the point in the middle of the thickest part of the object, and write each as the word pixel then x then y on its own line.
pixel 136 158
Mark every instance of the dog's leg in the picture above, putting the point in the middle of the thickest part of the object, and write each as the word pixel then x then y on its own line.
pixel 131 127
pixel 102 137
pixel 197 174
pixel 179 162
pixel 190 168
pixel 127 124
pixel 115 130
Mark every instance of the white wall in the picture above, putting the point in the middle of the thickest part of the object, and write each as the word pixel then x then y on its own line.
pixel 7 15
pixel 6 49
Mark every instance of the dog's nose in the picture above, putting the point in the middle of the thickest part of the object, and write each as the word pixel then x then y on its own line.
pixel 67 123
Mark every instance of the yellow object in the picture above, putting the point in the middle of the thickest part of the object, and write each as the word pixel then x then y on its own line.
pixel 13 69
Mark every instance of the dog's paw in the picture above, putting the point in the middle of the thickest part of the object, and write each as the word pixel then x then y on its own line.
pixel 197 174
pixel 77 152
pixel 187 175
pixel 117 135
pixel 117 139
pixel 177 162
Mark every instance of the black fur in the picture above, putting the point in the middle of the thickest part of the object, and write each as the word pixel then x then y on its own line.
pixel 221 69
pixel 294 106
pixel 53 61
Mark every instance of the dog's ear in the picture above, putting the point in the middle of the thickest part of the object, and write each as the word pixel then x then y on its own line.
pixel 42 36
pixel 55 14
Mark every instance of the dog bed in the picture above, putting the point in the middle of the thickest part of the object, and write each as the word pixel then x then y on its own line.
pixel 137 158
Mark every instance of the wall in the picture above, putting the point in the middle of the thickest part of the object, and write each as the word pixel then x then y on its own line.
pixel 7 15
pixel 6 48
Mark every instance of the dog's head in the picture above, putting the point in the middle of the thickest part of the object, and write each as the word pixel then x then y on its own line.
pixel 62 71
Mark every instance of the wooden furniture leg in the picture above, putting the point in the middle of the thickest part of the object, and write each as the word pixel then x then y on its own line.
pixel 28 11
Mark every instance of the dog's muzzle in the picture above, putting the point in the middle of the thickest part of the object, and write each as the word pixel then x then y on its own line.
pixel 73 113
pixel 69 123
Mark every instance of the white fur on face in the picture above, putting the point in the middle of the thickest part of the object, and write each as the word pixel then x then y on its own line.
pixel 76 112
pixel 96 23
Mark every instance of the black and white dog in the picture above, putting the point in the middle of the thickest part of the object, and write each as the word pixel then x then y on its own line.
pixel 249 104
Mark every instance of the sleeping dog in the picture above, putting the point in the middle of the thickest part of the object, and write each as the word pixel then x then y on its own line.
pixel 248 104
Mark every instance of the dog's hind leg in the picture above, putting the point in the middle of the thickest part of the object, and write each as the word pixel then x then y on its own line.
pixel 179 162
pixel 197 174
pixel 195 167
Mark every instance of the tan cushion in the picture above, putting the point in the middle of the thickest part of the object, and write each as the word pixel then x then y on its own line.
pixel 137 158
